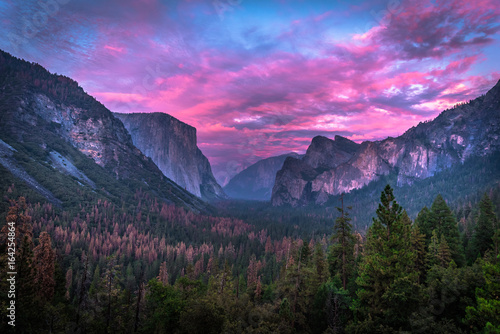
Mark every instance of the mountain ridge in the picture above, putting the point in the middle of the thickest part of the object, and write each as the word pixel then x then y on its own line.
pixel 456 134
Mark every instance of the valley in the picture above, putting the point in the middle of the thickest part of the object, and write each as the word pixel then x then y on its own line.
pixel 122 226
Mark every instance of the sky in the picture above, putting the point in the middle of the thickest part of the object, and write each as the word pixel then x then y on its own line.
pixel 262 78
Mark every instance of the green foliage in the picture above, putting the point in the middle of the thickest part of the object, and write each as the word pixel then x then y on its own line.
pixel 285 311
pixel 331 308
pixel 444 299
pixel 164 308
pixel 418 246
pixel 341 257
pixel 485 227
pixel 485 317
pixel 388 291
pixel 423 223
pixel 320 272
pixel 442 220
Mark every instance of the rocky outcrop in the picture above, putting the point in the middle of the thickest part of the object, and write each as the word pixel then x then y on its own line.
pixel 171 144
pixel 101 137
pixel 256 181
pixel 331 167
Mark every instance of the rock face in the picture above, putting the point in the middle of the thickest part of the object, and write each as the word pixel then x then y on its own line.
pixel 256 182
pixel 171 144
pixel 331 167
pixel 100 136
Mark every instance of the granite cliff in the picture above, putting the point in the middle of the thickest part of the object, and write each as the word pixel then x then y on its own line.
pixel 171 144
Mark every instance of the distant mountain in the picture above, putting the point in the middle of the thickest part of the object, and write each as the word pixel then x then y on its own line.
pixel 171 144
pixel 331 167
pixel 65 145
pixel 256 182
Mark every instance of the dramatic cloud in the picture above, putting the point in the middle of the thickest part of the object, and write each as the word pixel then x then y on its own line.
pixel 261 78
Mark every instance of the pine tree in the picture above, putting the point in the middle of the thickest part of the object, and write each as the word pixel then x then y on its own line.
pixel 45 267
pixel 496 242
pixel 418 246
pixel 320 265
pixel 444 252
pixel 69 282
pixel 163 275
pixel 388 291
pixel 341 257
pixel 285 312
pixel 258 289
pixel 305 253
pixel 252 273
pixel 296 285
pixel 95 282
pixel 423 223
pixel 82 288
pixel 442 220
pixel 433 250
pixel 111 291
pixel 485 227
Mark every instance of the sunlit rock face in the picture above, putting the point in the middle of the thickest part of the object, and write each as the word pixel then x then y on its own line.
pixel 331 167
pixel 171 145
pixel 97 133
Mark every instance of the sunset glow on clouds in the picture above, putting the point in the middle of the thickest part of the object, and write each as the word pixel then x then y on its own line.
pixel 262 78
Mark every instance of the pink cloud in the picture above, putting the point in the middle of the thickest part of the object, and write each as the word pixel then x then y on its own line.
pixel 114 48
pixel 256 93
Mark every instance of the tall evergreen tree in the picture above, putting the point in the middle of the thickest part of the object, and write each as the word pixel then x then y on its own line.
pixel 418 245
pixel 433 250
pixel 163 275
pixel 485 227
pixel 442 220
pixel 439 252
pixel 296 284
pixel 423 223
pixel 321 273
pixel 45 267
pixel 444 253
pixel 110 293
pixel 496 242
pixel 388 291
pixel 341 257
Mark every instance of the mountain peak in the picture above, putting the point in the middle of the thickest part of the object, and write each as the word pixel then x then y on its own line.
pixel 341 138
pixel 492 98
pixel 320 139
pixel 324 152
